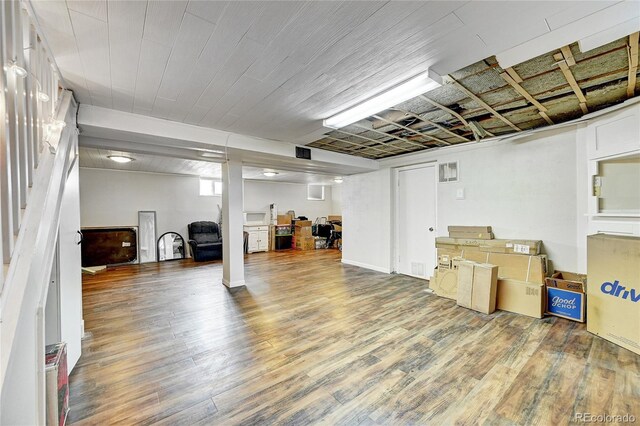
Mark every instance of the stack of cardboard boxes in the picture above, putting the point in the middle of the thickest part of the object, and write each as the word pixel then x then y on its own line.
pixel 303 236
pixel 521 270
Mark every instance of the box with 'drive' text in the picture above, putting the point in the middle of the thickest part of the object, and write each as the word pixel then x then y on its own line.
pixel 613 303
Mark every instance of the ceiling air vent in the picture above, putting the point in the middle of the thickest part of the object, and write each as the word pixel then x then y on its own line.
pixel 303 153
pixel 448 172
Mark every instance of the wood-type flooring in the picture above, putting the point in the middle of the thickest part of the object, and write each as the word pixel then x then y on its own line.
pixel 313 341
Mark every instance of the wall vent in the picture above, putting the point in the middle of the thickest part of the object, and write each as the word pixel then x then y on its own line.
pixel 417 269
pixel 448 172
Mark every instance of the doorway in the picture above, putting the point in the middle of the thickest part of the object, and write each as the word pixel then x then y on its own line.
pixel 416 220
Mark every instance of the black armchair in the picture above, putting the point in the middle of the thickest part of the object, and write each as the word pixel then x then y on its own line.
pixel 205 241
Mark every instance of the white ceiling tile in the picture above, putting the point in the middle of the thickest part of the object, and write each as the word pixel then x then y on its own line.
pixel 575 10
pixel 94 8
pixel 163 21
pixel 153 60
pixel 208 10
pixel 92 38
pixel 192 37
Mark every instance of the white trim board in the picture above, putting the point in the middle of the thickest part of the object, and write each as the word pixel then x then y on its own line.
pixel 366 266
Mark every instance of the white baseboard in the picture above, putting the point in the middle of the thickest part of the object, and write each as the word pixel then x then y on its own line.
pixel 366 266
pixel 233 284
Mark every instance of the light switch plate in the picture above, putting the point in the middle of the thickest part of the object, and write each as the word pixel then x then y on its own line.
pixel 460 194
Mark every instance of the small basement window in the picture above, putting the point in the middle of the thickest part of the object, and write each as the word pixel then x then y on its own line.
pixel 315 192
pixel 448 172
pixel 210 187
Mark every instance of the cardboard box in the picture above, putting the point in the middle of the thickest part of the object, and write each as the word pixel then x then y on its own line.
pixel 532 269
pixel 471 229
pixel 613 293
pixel 465 283
pixel 305 243
pixel 284 219
pixel 485 285
pixel 334 218
pixel 303 231
pixel 526 247
pixel 521 297
pixel 568 281
pixel 303 223
pixel 477 286
pixel 565 303
pixel 444 261
pixel 472 235
pixel 444 283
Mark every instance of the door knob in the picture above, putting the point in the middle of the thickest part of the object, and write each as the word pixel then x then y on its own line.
pixel 431 228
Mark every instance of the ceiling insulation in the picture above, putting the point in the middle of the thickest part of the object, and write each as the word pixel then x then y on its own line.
pixel 484 100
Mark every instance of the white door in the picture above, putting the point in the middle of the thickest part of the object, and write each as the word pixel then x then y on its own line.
pixel 69 269
pixel 416 221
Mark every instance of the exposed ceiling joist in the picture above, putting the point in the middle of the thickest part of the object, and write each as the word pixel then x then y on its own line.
pixel 383 143
pixel 390 135
pixel 633 63
pixel 568 75
pixel 484 104
pixel 375 148
pixel 452 112
pixel 509 78
pixel 433 123
pixel 409 129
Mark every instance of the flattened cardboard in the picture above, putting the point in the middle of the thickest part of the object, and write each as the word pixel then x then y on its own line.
pixel 613 293
pixel 526 247
pixel 521 297
pixel 445 283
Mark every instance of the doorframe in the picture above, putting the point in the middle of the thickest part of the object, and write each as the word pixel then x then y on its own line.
pixel 395 252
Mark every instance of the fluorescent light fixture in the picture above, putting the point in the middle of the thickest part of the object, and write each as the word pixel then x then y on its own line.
pixel 120 158
pixel 338 179
pixel 43 97
pixel 269 174
pixel 17 70
pixel 211 154
pixel 398 94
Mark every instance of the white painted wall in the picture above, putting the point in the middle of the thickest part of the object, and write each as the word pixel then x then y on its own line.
pixel 523 189
pixel 114 197
pixel 336 199
pixel 258 195
pixel 531 187
pixel 366 219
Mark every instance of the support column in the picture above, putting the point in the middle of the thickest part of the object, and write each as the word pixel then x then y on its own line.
pixel 232 225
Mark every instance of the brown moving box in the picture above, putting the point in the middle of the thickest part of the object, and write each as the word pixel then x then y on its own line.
pixel 472 229
pixel 305 243
pixel 485 283
pixel 303 231
pixel 476 235
pixel 303 223
pixel 527 247
pixel 521 297
pixel 465 283
pixel 613 293
pixel 477 286
pixel 568 281
pixel 334 218
pixel 284 219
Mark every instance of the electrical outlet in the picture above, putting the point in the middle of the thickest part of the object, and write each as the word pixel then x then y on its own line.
pixel 460 194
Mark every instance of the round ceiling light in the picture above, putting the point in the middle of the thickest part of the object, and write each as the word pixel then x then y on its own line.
pixel 338 179
pixel 120 158
pixel 269 174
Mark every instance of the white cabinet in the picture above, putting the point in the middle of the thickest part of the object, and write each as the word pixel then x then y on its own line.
pixel 258 238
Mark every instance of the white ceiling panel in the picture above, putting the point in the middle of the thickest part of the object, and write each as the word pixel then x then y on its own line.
pixel 94 8
pixel 209 10
pixel 163 21
pixel 192 37
pixel 153 59
pixel 275 69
